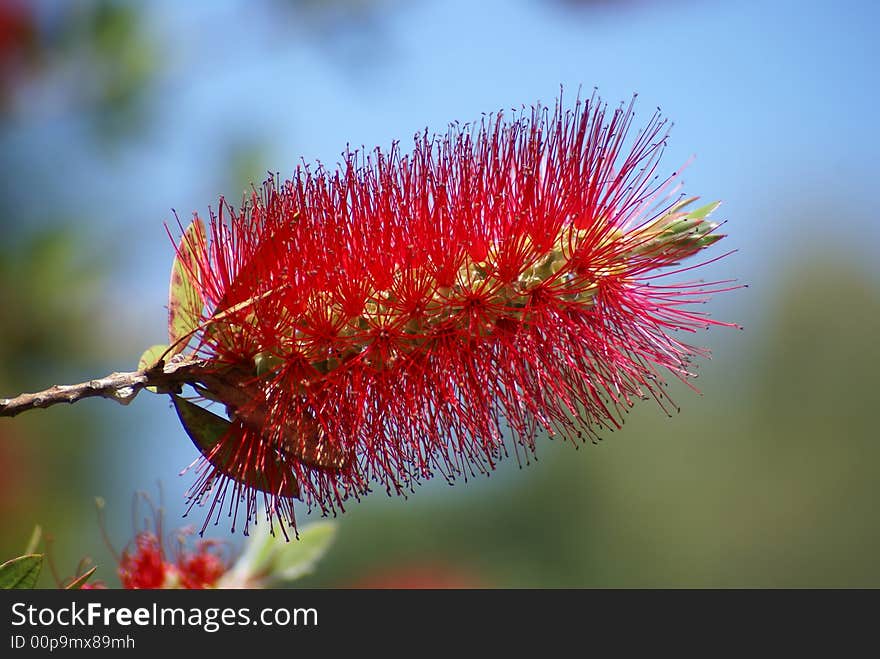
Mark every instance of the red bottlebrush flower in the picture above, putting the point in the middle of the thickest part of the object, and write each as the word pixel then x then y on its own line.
pixel 149 565
pixel 412 315
pixel 202 568
pixel 145 567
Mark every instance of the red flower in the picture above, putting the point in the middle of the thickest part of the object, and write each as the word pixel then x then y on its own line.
pixel 412 315
pixel 202 568
pixel 18 39
pixel 145 567
pixel 17 31
pixel 148 566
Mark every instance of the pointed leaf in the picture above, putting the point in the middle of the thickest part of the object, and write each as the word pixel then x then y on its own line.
pixel 680 205
pixel 296 559
pixel 204 428
pixel 709 239
pixel 151 356
pixel 21 573
pixel 81 580
pixel 218 440
pixel 185 303
pixel 703 212
pixel 268 558
pixel 255 562
pixel 682 225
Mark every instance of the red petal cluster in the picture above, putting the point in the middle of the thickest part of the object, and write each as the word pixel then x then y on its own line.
pixel 148 566
pixel 422 314
pixel 145 567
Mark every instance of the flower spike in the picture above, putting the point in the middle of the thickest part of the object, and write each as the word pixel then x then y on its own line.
pixel 417 314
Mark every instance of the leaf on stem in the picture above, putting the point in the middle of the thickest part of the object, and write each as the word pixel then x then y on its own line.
pixel 81 580
pixel 220 441
pixel 268 559
pixel 185 303
pixel 21 573
pixel 151 356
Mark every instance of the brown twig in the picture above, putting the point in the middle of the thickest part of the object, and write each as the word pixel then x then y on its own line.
pixel 121 387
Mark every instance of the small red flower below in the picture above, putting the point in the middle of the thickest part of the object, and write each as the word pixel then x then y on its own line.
pixel 148 566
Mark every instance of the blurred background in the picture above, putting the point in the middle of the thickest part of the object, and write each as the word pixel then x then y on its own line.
pixel 114 113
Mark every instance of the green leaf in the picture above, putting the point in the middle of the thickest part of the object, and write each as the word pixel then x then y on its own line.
pixel 267 558
pixel 81 580
pixel 185 304
pixel 151 356
pixel 211 435
pixel 21 573
pixel 296 559
pixel 255 562
pixel 204 428
pixel 680 205
pixel 709 239
pixel 703 212
pixel 682 225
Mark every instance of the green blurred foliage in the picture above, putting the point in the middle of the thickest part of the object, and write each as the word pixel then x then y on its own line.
pixel 55 300
pixel 49 294
pixel 120 58
pixel 96 61
pixel 97 57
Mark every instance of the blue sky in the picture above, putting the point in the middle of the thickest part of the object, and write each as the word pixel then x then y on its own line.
pixel 775 99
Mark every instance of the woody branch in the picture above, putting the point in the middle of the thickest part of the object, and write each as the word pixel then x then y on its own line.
pixel 121 387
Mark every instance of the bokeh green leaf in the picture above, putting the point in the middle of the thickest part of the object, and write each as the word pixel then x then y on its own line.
pixel 269 559
pixel 296 559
